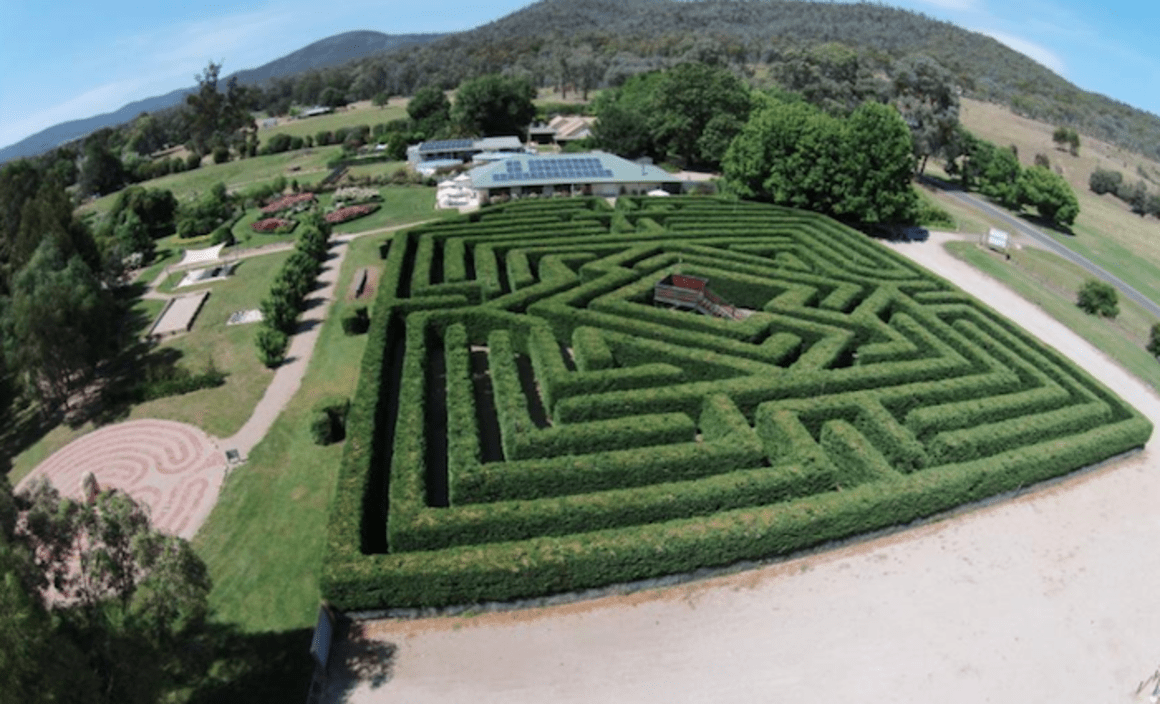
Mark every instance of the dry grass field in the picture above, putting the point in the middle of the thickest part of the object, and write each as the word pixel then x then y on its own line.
pixel 1106 231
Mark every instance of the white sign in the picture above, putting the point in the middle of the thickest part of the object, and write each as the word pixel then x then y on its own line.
pixel 997 239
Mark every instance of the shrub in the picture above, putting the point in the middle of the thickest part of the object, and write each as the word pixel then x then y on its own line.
pixel 328 421
pixel 1154 341
pixel 272 345
pixel 221 154
pixel 1098 298
pixel 356 323
pixel 192 162
pixel 223 235
pixel 1105 181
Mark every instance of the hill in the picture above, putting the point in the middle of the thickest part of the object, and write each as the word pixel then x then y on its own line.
pixel 626 36
pixel 332 51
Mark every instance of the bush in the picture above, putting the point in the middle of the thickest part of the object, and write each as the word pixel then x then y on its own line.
pixel 223 235
pixel 357 323
pixel 328 421
pixel 1098 298
pixel 271 345
pixel 1105 181
pixel 192 162
pixel 221 154
pixel 1154 341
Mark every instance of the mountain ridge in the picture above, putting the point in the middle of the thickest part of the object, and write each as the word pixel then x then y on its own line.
pixel 330 51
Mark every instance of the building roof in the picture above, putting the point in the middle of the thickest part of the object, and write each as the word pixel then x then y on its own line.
pixel 595 167
pixel 445 145
pixel 487 144
pixel 569 127
pixel 496 144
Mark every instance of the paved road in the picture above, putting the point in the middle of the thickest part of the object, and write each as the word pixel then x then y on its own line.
pixel 1022 227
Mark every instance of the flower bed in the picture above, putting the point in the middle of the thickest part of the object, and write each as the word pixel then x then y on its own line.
pixel 350 213
pixel 276 225
pixel 287 202
pixel 355 194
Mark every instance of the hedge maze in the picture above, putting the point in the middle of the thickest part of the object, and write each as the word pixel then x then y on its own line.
pixel 528 422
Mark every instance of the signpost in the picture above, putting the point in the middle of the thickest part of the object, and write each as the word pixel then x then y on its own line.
pixel 997 239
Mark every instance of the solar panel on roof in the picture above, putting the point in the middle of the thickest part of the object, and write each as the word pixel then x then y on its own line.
pixel 443 145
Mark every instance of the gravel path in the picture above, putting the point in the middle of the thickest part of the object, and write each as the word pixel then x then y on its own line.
pixel 1049 597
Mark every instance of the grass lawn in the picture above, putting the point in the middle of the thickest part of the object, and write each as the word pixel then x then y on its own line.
pixel 306 165
pixel 1051 283
pixel 264 540
pixel 360 113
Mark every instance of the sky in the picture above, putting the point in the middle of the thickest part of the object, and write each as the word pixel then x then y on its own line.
pixel 71 59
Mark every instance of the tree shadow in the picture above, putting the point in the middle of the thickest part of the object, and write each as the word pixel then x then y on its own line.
pixel 356 657
pixel 255 667
pixel 1045 224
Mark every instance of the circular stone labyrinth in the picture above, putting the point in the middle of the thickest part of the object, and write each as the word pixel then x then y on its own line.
pixel 173 469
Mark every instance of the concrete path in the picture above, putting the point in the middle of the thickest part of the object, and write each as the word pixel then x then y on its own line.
pixel 288 377
pixel 1049 597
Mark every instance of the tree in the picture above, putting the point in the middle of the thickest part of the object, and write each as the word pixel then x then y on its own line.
pixel 131 603
pixel 57 326
pixel 873 180
pixel 381 98
pixel 699 109
pixel 787 153
pixel 1098 298
pixel 429 110
pixel 216 117
pixel 926 96
pixel 623 116
pixel 1049 193
pixel 205 214
pixel 101 171
pixel 831 76
pixel 855 169
pixel 494 105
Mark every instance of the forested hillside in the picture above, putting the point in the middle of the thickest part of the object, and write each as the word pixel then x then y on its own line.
pixel 601 42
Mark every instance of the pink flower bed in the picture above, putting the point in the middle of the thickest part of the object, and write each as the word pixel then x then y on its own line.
pixel 272 224
pixel 350 213
pixel 287 202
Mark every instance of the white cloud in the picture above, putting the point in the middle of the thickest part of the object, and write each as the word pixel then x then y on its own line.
pixel 1037 52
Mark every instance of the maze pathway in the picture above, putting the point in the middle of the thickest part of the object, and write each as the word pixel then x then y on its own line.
pixel 545 426
pixel 174 469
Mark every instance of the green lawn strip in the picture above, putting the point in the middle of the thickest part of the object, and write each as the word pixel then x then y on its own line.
pixel 264 540
pixel 369 116
pixel 1050 282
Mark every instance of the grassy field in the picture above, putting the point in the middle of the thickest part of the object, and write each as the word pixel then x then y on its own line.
pixel 1051 283
pixel 263 542
pixel 360 113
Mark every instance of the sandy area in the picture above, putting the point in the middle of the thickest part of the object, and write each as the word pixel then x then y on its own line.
pixel 1045 598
